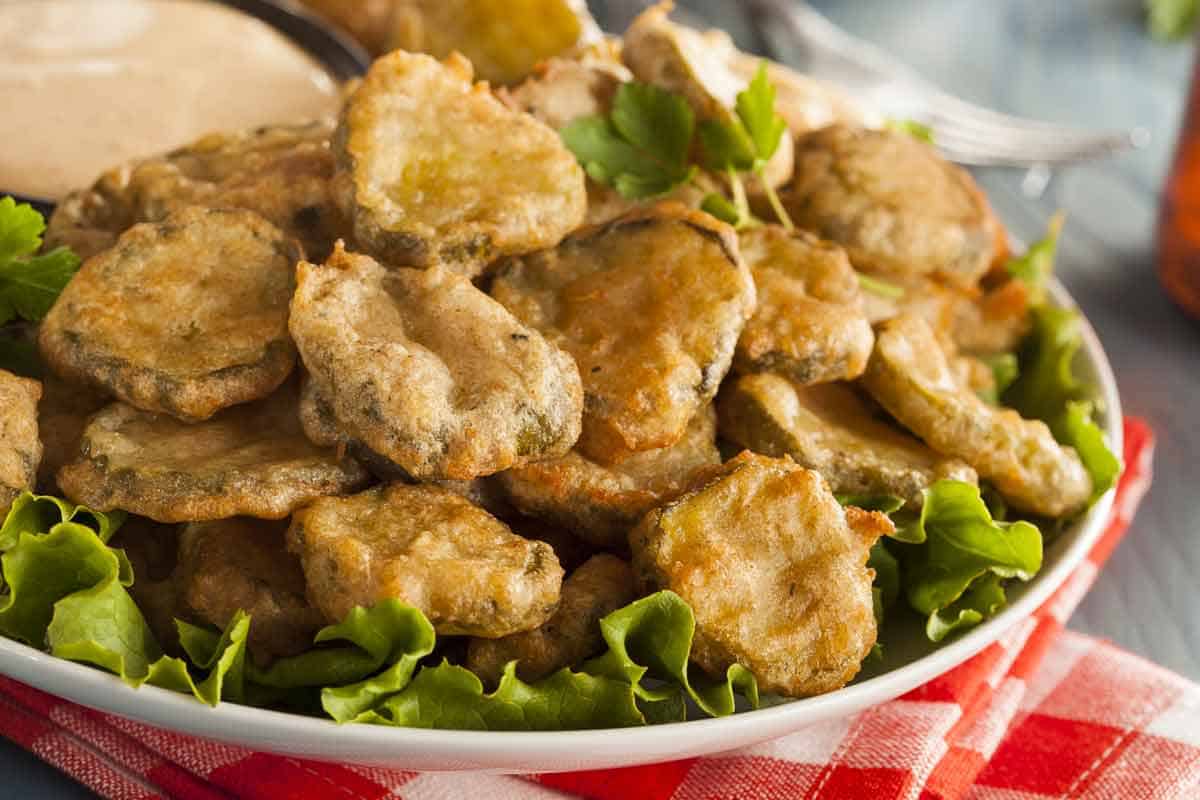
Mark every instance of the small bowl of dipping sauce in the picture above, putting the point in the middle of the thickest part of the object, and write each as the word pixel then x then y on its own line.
pixel 89 84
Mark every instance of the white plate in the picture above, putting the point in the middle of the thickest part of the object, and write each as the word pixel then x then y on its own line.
pixel 912 663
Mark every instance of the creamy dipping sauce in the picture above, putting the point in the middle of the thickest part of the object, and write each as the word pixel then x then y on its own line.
pixel 89 84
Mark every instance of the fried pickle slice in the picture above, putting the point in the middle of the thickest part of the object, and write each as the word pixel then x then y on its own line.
pixel 465 569
pixel 898 208
pixel 809 324
pixel 601 503
pixel 243 564
pixel 63 413
pixel 429 372
pixel 503 39
pixel 910 376
pixel 651 306
pixel 774 570
pixel 435 170
pixel 251 460
pixel 700 67
pixel 184 317
pixel 281 172
pixel 829 429
pixel 20 447
pixel 563 89
pixel 601 585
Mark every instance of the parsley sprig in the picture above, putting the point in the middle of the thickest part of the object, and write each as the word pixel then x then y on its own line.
pixel 643 148
pixel 29 284
pixel 743 143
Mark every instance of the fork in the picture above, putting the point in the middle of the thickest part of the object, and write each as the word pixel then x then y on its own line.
pixel 965 133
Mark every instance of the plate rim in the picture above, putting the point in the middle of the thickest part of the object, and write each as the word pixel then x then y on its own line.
pixel 551 751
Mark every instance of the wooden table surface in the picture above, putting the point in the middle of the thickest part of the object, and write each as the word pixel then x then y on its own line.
pixel 1087 62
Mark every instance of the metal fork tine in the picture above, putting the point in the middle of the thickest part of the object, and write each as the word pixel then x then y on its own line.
pixel 965 132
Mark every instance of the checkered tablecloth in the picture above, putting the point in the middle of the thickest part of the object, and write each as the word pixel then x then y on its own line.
pixel 1042 713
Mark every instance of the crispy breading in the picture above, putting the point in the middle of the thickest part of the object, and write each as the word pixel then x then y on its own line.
pixel 566 88
pixel 830 429
pixel 185 317
pixel 250 460
pixel 571 550
pixel 20 448
pixel 909 376
pixel 281 172
pixel 429 372
pixel 601 503
pixel 243 564
pixel 504 39
pixel 465 569
pixel 651 306
pixel 773 570
pixel 699 67
pixel 435 170
pixel 63 413
pixel 898 207
pixel 809 324
pixel 600 586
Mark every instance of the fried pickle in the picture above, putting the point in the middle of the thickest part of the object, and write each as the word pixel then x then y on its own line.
pixel 281 172
pixel 601 503
pixel 897 207
pixel 774 571
pixel 429 372
pixel 184 317
pixel 503 39
pixel 63 413
pixel 600 586
pixel 435 170
pixel 20 447
pixel 809 324
pixel 250 460
pixel 909 376
pixel 829 429
pixel 566 88
pixel 243 564
pixel 431 549
pixel 651 306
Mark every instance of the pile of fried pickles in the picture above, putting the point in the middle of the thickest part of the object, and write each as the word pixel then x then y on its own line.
pixel 448 355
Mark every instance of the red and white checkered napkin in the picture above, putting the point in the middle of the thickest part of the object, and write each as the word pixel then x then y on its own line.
pixel 1042 713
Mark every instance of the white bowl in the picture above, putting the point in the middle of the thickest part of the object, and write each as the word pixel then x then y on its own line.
pixel 909 664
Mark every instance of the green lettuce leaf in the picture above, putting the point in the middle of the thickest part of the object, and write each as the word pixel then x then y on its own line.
pixel 449 696
pixel 66 591
pixel 1036 265
pixel 962 543
pixel 982 599
pixel 29 284
pixel 32 513
pixel 1047 389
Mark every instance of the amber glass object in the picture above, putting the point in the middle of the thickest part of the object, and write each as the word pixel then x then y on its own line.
pixel 1179 220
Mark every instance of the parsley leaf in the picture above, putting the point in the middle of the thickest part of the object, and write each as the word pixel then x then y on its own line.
pixel 756 109
pixel 745 141
pixel 641 147
pixel 29 284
